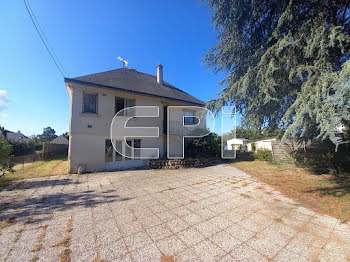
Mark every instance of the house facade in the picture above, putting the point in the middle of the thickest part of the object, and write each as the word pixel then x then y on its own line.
pixel 238 144
pixel 265 144
pixel 94 101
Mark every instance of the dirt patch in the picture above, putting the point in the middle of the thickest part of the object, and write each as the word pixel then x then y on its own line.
pixel 324 194
pixel 165 258
pixel 66 255
pixel 7 222
pixel 245 195
pixel 60 169
pixel 261 188
pixel 69 225
pixel 64 242
pixel 40 239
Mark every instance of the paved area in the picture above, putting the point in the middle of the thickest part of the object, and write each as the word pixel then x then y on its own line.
pixel 215 213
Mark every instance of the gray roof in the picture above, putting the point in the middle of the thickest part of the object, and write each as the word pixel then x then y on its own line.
pixel 15 136
pixel 60 140
pixel 132 81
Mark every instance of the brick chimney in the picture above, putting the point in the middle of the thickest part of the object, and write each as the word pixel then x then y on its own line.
pixel 160 74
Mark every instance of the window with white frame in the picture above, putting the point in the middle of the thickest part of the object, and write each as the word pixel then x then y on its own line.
pixel 188 117
pixel 121 103
pixel 118 156
pixel 134 152
pixel 108 151
pixel 111 155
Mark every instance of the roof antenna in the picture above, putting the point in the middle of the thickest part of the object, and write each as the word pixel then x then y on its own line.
pixel 124 62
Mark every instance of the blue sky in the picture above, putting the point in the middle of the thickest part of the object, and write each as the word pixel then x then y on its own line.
pixel 88 36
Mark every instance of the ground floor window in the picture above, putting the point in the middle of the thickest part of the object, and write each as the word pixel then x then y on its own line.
pixel 137 146
pixel 128 150
pixel 118 156
pixel 108 151
pixel 111 155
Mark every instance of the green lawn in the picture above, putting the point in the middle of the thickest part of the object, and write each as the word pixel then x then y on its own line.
pixel 56 166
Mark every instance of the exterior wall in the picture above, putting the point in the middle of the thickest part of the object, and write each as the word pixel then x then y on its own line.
pixel 249 147
pixel 88 132
pixel 87 151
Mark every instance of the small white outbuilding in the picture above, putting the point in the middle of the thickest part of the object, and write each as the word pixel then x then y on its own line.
pixel 237 144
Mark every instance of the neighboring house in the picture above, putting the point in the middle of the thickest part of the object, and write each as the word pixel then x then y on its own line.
pixel 265 143
pixel 94 101
pixel 281 152
pixel 15 136
pixel 237 144
pixel 61 140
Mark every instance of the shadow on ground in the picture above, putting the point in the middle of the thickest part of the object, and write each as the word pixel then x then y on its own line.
pixel 41 208
pixel 340 187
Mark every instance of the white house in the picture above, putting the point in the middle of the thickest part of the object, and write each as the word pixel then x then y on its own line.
pixel 237 144
pixel 96 98
pixel 264 144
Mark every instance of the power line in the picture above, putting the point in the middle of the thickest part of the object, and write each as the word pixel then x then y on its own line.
pixel 46 39
pixel 43 38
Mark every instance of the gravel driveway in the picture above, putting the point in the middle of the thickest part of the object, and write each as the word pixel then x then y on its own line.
pixel 216 213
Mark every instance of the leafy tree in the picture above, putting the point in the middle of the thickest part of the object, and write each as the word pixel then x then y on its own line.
pixel 47 135
pixel 264 155
pixel 66 135
pixel 203 147
pixel 286 63
pixel 253 134
pixel 21 148
pixel 3 131
pixel 5 151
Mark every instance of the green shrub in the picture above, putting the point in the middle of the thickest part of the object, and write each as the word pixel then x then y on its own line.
pixel 203 147
pixel 321 158
pixel 21 148
pixel 245 156
pixel 6 163
pixel 264 155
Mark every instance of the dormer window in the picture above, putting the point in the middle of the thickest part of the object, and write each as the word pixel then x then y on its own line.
pixel 90 103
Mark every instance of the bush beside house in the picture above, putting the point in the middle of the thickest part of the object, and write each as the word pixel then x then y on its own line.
pixel 321 157
pixel 204 147
pixel 5 155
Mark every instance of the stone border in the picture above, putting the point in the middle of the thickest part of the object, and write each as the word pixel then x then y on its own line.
pixel 177 163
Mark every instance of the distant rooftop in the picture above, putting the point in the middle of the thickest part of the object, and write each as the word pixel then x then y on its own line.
pixel 15 136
